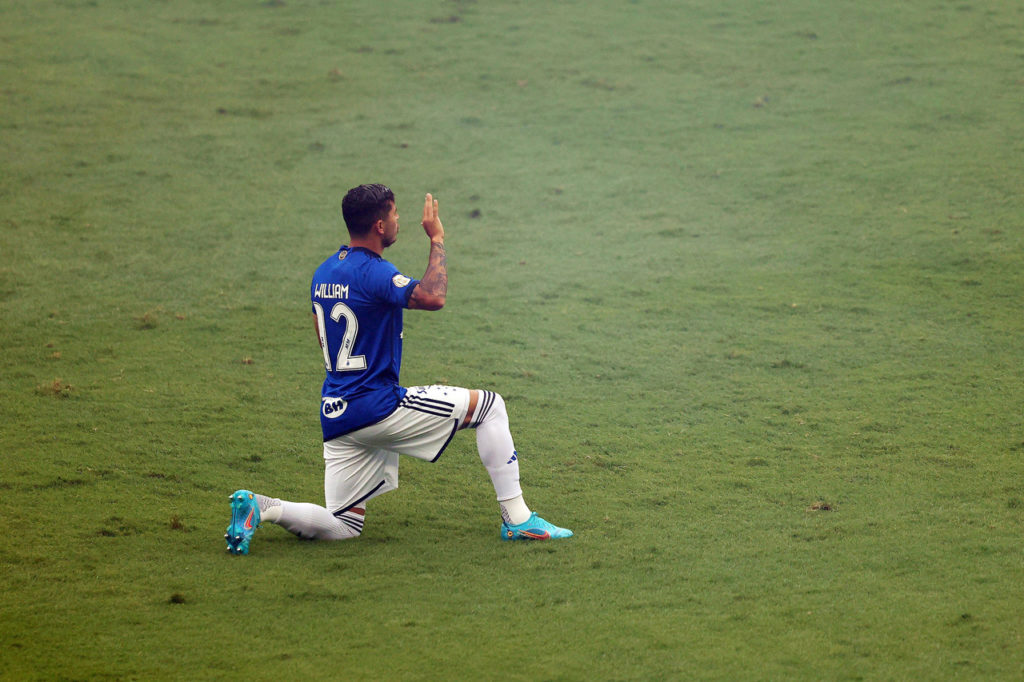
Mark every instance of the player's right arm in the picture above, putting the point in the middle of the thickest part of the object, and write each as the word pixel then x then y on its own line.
pixel 432 289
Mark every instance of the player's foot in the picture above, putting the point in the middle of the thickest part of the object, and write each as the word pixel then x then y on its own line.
pixel 534 528
pixel 245 519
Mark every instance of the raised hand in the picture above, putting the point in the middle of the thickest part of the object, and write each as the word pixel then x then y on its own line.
pixel 431 220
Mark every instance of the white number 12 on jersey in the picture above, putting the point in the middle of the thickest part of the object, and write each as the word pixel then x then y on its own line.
pixel 346 362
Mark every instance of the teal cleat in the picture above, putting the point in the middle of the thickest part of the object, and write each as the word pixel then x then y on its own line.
pixel 534 528
pixel 245 519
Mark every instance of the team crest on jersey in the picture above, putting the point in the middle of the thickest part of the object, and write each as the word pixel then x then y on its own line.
pixel 400 281
pixel 333 407
pixel 342 254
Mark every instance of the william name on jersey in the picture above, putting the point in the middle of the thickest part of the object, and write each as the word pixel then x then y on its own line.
pixel 331 290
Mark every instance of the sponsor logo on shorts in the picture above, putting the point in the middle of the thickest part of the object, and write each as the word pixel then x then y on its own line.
pixel 400 281
pixel 333 407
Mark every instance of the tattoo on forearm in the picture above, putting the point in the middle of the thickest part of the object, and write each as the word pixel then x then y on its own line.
pixel 435 279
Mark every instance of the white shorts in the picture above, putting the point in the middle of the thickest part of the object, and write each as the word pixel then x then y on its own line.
pixel 364 464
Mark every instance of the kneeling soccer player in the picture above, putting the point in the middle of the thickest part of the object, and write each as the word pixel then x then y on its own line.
pixel 368 419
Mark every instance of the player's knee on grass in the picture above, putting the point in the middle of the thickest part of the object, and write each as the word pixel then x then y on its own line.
pixel 352 522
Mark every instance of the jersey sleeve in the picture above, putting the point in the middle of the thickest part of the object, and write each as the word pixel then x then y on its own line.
pixel 391 286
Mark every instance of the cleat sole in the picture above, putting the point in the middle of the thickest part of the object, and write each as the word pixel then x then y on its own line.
pixel 245 519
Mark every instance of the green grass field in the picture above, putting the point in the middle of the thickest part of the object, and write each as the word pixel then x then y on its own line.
pixel 750 277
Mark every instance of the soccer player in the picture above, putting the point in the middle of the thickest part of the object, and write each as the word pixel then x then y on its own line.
pixel 368 419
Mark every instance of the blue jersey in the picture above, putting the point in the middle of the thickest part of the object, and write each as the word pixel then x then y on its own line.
pixel 358 298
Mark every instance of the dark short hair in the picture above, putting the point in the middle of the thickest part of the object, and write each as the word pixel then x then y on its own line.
pixel 364 205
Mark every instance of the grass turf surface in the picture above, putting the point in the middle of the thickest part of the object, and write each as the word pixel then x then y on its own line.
pixel 749 278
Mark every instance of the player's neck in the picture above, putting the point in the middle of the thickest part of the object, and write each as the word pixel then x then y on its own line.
pixel 370 243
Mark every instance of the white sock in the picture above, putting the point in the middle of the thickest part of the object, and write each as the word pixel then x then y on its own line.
pixel 498 453
pixel 314 522
pixel 270 508
pixel 514 511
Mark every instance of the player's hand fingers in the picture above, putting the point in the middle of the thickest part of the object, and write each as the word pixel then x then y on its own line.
pixel 428 206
